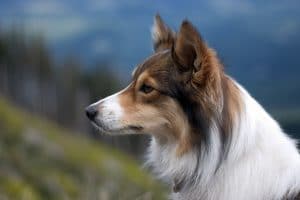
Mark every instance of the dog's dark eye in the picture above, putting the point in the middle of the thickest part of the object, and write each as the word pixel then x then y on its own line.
pixel 146 89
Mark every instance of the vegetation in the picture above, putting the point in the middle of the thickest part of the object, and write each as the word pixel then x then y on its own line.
pixel 38 160
pixel 32 77
pixel 46 83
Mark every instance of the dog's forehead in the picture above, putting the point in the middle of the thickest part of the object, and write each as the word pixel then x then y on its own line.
pixel 160 61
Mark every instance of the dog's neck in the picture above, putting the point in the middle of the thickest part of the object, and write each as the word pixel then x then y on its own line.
pixel 257 151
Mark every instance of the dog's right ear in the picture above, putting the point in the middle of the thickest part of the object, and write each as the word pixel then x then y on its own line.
pixel 163 37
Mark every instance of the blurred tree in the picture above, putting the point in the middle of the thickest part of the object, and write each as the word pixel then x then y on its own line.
pixel 30 77
pixel 68 85
pixel 100 81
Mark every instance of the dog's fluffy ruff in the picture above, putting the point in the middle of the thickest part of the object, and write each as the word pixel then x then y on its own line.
pixel 262 162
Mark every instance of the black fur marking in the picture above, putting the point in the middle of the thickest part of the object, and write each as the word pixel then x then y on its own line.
pixel 198 121
pixel 292 197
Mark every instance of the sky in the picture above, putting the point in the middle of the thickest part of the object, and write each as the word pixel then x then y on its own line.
pixel 62 19
pixel 66 20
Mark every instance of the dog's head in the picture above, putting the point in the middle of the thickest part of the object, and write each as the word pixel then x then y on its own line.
pixel 173 94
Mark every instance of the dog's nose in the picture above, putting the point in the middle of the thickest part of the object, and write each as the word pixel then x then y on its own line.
pixel 91 112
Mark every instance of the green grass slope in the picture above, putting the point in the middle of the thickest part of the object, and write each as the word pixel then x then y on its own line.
pixel 39 160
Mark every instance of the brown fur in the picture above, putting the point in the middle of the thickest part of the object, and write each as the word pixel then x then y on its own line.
pixel 163 36
pixel 190 89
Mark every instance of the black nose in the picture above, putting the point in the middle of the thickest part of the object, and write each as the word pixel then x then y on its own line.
pixel 91 112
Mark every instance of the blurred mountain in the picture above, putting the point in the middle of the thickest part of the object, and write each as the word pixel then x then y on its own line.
pixel 40 160
pixel 258 41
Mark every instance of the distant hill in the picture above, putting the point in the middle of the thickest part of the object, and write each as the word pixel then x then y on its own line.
pixel 39 160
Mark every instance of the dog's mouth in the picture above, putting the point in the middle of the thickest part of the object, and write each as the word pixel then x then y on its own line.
pixel 129 129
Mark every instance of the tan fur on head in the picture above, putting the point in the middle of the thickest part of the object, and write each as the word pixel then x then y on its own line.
pixel 188 90
pixel 189 49
pixel 162 35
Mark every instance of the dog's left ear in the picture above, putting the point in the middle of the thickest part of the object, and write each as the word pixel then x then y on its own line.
pixel 163 37
pixel 189 51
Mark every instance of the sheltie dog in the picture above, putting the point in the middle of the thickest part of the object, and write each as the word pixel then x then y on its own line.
pixel 210 138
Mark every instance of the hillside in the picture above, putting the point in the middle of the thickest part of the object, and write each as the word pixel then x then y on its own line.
pixel 39 160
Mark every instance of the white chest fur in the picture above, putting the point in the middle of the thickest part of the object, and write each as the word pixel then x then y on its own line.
pixel 262 162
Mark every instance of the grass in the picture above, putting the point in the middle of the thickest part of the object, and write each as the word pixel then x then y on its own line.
pixel 40 160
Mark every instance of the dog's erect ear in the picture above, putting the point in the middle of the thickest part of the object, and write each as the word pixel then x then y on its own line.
pixel 189 51
pixel 163 37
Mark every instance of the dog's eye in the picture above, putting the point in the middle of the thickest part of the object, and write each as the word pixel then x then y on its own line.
pixel 146 89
